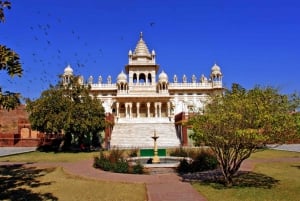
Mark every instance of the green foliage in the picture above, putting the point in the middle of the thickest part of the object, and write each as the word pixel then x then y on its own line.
pixel 297 120
pixel 103 163
pixel 4 4
pixel 187 152
pixel 114 161
pixel 137 168
pixel 180 152
pixel 9 100
pixel 10 62
pixel 69 109
pixel 235 123
pixel 133 152
pixel 121 166
pixel 184 166
pixel 203 161
pixel 115 155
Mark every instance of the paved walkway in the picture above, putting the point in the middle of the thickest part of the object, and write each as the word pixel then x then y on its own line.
pixel 6 151
pixel 160 187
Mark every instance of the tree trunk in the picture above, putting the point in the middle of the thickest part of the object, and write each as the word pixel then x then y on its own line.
pixel 228 182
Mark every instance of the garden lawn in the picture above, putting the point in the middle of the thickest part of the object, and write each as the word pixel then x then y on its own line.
pixel 268 182
pixel 21 183
pixel 49 157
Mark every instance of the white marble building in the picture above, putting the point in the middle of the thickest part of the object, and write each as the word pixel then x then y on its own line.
pixel 143 93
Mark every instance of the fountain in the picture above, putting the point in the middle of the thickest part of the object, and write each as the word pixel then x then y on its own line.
pixel 155 157
pixel 156 161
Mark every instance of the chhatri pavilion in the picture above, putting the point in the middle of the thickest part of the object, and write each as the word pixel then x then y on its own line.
pixel 145 100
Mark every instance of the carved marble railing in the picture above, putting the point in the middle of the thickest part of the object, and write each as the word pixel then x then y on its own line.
pixel 112 86
pixel 204 85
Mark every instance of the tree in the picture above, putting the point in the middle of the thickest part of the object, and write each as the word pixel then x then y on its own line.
pixel 68 109
pixel 235 124
pixel 10 62
pixel 4 4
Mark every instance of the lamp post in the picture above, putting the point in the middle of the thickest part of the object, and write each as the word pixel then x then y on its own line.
pixel 155 157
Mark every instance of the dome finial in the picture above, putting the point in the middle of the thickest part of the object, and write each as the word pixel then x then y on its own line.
pixel 141 35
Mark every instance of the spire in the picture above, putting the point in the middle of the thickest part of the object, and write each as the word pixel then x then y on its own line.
pixel 141 48
pixel 141 35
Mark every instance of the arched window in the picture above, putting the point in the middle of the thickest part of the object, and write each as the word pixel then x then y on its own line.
pixel 149 78
pixel 134 78
pixel 142 78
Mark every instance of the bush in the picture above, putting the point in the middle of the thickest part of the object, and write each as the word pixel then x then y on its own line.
pixel 103 162
pixel 180 152
pixel 121 166
pixel 137 169
pixel 184 166
pixel 115 162
pixel 115 155
pixel 133 152
pixel 203 161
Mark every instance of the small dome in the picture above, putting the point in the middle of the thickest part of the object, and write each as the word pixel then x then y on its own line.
pixel 68 70
pixel 216 70
pixel 122 77
pixel 163 77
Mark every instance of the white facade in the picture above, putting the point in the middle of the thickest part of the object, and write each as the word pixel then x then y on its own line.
pixel 140 91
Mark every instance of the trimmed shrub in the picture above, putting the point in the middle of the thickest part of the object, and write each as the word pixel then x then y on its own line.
pixel 133 152
pixel 137 168
pixel 115 155
pixel 114 161
pixel 121 166
pixel 184 166
pixel 180 152
pixel 202 161
pixel 103 162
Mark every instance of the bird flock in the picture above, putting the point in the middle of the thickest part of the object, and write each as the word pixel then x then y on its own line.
pixel 43 56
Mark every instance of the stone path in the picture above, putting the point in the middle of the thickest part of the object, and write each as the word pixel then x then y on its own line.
pixel 160 187
pixel 6 151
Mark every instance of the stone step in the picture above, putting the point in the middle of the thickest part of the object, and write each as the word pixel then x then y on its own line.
pixel 132 134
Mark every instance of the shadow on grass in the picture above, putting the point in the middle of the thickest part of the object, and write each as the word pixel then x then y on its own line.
pixel 296 166
pixel 17 182
pixel 243 179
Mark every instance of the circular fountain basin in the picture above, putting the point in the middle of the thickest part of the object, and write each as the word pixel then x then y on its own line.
pixel 165 161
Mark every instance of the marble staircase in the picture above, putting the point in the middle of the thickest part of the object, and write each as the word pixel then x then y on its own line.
pixel 137 133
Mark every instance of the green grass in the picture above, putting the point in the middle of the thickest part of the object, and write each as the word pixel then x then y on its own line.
pixel 270 153
pixel 268 181
pixel 19 183
pixel 55 184
pixel 49 157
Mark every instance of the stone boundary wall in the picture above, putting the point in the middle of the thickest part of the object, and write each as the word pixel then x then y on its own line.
pixel 15 140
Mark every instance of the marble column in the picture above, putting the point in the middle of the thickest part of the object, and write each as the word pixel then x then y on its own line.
pixel 155 109
pixel 137 109
pixel 159 109
pixel 148 109
pixel 126 110
pixel 168 109
pixel 118 107
pixel 130 110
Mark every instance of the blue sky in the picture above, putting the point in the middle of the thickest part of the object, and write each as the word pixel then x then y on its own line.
pixel 253 41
